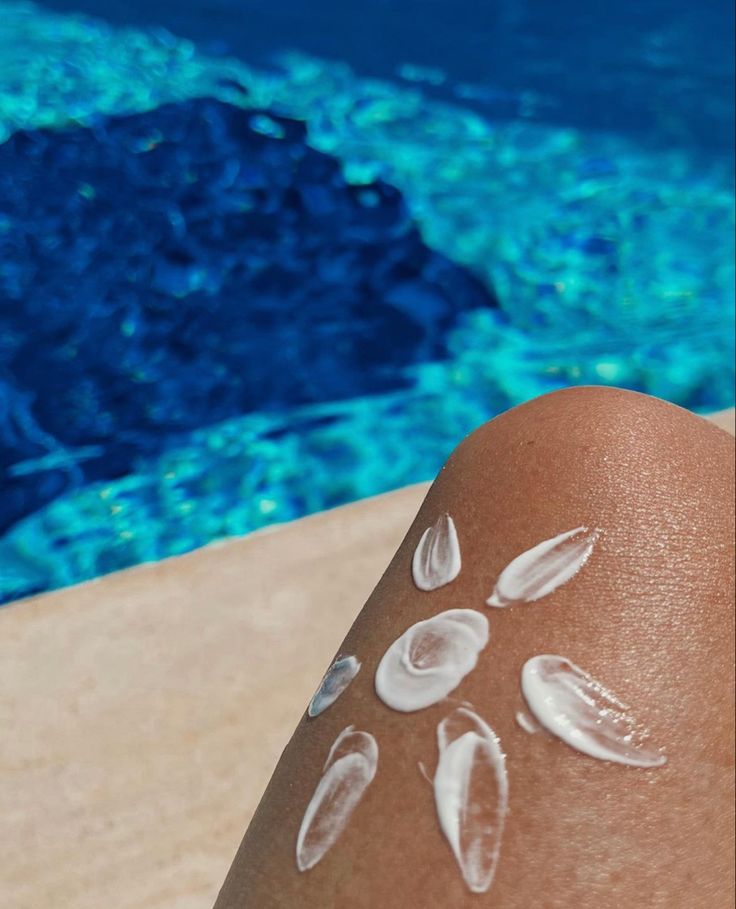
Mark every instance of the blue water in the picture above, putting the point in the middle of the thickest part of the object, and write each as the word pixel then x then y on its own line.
pixel 662 69
pixel 258 260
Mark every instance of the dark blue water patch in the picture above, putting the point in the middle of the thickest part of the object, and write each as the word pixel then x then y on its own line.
pixel 169 270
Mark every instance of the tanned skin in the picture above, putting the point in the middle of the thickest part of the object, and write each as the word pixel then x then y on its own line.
pixel 650 615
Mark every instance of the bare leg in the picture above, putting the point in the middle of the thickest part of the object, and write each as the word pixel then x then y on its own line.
pixel 650 615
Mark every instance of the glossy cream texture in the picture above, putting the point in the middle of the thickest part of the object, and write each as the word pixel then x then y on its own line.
pixel 572 705
pixel 335 681
pixel 542 569
pixel 471 794
pixel 430 659
pixel 436 559
pixel 348 771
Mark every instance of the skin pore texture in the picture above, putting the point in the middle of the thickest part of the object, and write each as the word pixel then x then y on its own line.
pixel 649 615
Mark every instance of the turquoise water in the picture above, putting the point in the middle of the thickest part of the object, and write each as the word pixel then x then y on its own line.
pixel 606 257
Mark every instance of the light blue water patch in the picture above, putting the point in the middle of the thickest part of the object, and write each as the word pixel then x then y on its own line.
pixel 260 469
pixel 239 476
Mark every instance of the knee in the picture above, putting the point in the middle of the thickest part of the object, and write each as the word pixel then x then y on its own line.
pixel 658 479
pixel 601 437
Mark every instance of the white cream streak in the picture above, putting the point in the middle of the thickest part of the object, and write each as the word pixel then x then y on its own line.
pixel 335 681
pixel 348 771
pixel 436 559
pixel 471 794
pixel 526 722
pixel 430 659
pixel 542 569
pixel 573 706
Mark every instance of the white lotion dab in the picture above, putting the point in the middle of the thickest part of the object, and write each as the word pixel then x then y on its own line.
pixel 436 559
pixel 430 659
pixel 335 681
pixel 544 568
pixel 348 771
pixel 572 705
pixel 471 793
pixel 526 722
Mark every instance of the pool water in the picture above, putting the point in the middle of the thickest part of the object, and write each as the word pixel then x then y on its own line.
pixel 275 269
